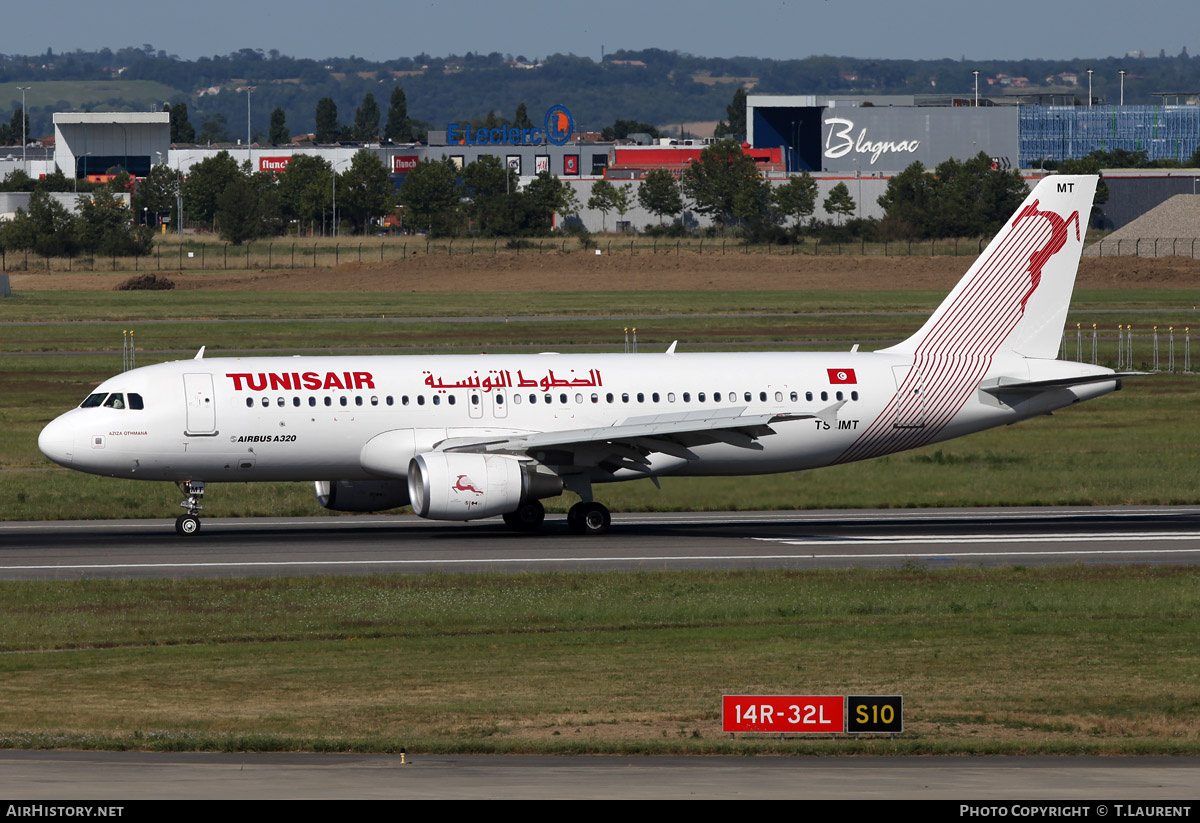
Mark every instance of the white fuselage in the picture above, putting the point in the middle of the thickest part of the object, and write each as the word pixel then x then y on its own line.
pixel 312 418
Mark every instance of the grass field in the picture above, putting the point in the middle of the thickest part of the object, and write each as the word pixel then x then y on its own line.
pixel 1098 660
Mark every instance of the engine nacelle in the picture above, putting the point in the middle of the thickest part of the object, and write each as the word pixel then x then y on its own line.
pixel 459 486
pixel 362 495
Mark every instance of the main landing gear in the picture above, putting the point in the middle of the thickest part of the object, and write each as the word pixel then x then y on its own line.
pixel 590 518
pixel 583 518
pixel 188 524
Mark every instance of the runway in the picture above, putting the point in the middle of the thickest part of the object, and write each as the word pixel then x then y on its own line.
pixel 374 544
pixel 1080 783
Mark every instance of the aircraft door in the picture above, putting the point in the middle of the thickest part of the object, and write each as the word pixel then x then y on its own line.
pixel 910 398
pixel 475 405
pixel 201 404
pixel 499 404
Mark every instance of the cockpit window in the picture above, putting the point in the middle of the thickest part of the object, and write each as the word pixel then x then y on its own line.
pixel 93 400
pixel 116 400
pixel 135 401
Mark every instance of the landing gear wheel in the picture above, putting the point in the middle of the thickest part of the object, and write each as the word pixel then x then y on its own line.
pixel 528 516
pixel 589 518
pixel 187 524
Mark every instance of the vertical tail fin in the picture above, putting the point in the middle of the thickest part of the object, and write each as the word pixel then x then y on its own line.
pixel 1015 296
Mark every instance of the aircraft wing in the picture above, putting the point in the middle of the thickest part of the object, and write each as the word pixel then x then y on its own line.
pixel 627 443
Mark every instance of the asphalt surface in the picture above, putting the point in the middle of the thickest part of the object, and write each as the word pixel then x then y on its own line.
pixel 787 539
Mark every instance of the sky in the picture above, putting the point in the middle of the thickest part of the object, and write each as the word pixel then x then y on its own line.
pixel 782 29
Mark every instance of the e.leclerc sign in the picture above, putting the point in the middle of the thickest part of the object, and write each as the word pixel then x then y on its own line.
pixel 556 129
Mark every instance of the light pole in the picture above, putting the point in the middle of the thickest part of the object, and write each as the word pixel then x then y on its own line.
pixel 248 90
pixel 976 73
pixel 1122 73
pixel 24 139
pixel 1089 88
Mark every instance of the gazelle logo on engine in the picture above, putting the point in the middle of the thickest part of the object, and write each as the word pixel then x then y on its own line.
pixel 465 484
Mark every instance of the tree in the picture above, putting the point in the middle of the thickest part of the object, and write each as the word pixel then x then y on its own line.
pixel 328 130
pixel 278 133
pixel 430 198
pixel 105 227
pixel 603 200
pixel 621 129
pixel 908 202
pixel 797 198
pixel 11 134
pixel 204 184
pixel 212 129
pixel 622 199
pixel 399 128
pixel 182 131
pixel 364 191
pixel 492 189
pixel 47 228
pixel 545 196
pixel 237 216
pixel 736 127
pixel 659 194
pixel 521 120
pixel 305 190
pixel 724 183
pixel 366 120
pixel 839 202
pixel 156 194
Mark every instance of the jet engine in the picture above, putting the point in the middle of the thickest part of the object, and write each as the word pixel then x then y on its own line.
pixel 362 495
pixel 461 486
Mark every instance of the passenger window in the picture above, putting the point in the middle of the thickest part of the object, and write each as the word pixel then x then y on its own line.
pixel 389 400
pixel 312 401
pixel 795 397
pixel 641 397
pixel 328 401
pixel 762 396
pixel 624 397
pixel 546 396
pixel 499 400
pixel 266 402
pixel 280 402
pixel 358 400
pixel 343 400
pixel 516 399
pixel 824 395
pixel 716 397
pixel 700 397
pixel 420 400
pixel 670 397
pixel 839 395
pixel 778 397
pixel 578 398
pixel 249 402
pixel 808 396
pixel 437 399
pixel 450 400
pixel 296 402
pixel 654 397
pixel 135 401
pixel 687 397
pixel 853 395
pixel 374 400
pixel 404 400
pixel 748 397
pixel 595 398
pixel 562 398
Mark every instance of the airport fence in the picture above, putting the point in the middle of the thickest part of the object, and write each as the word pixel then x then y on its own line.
pixel 193 255
pixel 1156 349
pixel 1146 247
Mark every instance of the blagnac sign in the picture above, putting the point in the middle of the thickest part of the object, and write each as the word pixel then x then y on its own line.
pixel 840 141
pixel 556 130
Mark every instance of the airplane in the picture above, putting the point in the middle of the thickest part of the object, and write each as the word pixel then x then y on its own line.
pixel 468 437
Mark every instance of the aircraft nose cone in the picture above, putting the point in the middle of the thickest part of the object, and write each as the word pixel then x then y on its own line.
pixel 57 441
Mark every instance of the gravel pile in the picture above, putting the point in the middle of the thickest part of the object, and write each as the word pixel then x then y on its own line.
pixel 1166 230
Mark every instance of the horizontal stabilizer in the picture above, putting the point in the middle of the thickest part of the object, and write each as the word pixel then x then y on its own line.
pixel 1003 385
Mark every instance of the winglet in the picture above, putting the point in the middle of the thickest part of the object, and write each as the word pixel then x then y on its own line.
pixel 828 415
pixel 671 348
pixel 200 354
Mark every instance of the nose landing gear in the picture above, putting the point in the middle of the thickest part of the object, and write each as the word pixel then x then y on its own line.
pixel 188 524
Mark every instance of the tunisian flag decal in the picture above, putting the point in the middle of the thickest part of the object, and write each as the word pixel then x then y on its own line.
pixel 841 376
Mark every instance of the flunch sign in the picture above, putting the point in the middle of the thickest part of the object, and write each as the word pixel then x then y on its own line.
pixel 274 163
